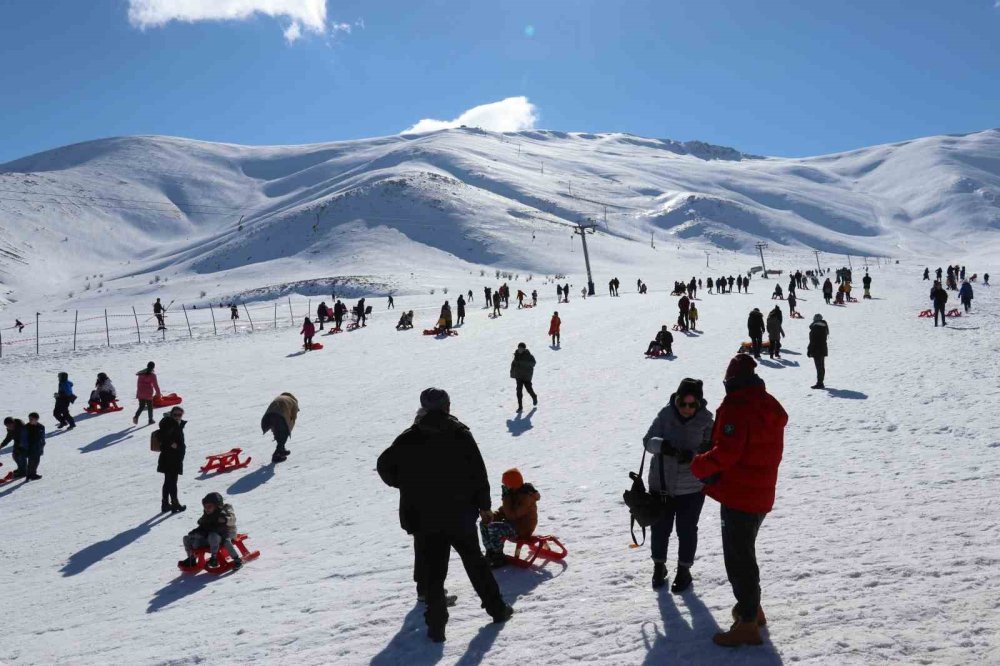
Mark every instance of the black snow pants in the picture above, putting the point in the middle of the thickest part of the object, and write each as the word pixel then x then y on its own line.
pixel 524 384
pixel 939 309
pixel 820 363
pixel 61 412
pixel 169 491
pixel 756 342
pixel 148 406
pixel 739 550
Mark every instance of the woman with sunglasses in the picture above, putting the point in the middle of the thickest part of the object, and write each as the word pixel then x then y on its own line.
pixel 171 460
pixel 681 430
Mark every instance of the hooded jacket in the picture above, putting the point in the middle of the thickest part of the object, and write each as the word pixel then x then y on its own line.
pixel 440 474
pixel 747 444
pixel 520 509
pixel 819 331
pixel 146 386
pixel 222 521
pixel 687 437
pixel 755 323
pixel 774 329
pixel 523 365
pixel 286 407
pixel 171 460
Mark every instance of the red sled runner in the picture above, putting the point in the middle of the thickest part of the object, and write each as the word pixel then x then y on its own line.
pixel 225 564
pixel 225 462
pixel 662 352
pixel 441 332
pixel 168 400
pixel 953 313
pixel 6 479
pixel 95 408
pixel 546 547
pixel 314 346
pixel 796 315
pixel 925 313
pixel 334 331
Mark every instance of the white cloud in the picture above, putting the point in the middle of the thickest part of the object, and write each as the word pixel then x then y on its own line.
pixel 308 15
pixel 507 115
pixel 340 27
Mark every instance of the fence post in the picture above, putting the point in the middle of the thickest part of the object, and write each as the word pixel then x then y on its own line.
pixel 188 321
pixel 137 333
pixel 76 318
pixel 107 331
pixel 1 344
pixel 291 317
pixel 249 318
pixel 309 307
pixel 276 315
pixel 36 332
pixel 211 311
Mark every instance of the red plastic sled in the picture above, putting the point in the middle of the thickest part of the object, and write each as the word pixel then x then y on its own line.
pixel 168 400
pixel 796 315
pixel 95 408
pixel 747 347
pixel 440 331
pixel 662 352
pixel 851 299
pixel 315 346
pixel 953 313
pixel 9 477
pixel 225 564
pixel 925 313
pixel 546 547
pixel 334 331
pixel 225 462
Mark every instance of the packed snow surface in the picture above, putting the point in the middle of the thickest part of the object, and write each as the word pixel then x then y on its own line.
pixel 881 548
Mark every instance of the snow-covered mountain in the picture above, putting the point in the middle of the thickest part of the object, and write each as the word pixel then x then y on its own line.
pixel 115 214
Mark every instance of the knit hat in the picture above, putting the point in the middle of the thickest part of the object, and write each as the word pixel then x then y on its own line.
pixel 435 400
pixel 691 387
pixel 213 498
pixel 740 367
pixel 512 479
pixel 817 317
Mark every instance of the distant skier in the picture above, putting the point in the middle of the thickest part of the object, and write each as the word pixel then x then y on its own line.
pixel 774 333
pixel 158 311
pixel 279 420
pixel 819 331
pixel 522 369
pixel 611 287
pixel 307 333
pixel 460 310
pixel 965 295
pixel 554 324
pixel 18 325
pixel 64 397
pixel 146 390
pixel 756 328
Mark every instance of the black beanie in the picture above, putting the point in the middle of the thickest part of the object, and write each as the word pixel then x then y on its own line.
pixel 435 400
pixel 690 386
pixel 214 498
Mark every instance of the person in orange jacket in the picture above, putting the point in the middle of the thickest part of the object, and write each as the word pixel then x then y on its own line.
pixel 516 519
pixel 554 324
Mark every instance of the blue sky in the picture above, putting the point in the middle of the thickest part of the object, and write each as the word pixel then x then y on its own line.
pixel 776 77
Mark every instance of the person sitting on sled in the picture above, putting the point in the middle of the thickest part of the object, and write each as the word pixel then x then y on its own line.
pixel 664 342
pixel 216 527
pixel 516 519
pixel 104 392
pixel 405 321
pixel 777 292
pixel 307 333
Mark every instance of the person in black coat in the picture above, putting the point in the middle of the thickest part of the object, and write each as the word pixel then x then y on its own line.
pixel 819 331
pixel 171 461
pixel 460 310
pixel 443 489
pixel 756 328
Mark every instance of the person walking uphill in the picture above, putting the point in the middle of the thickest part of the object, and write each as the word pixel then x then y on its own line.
pixel 64 397
pixel 741 473
pixel 522 369
pixel 819 331
pixel 442 482
pixel 171 461
pixel 756 328
pixel 146 389
pixel 965 295
pixel 939 296
pixel 682 429
pixel 279 419
pixel 35 439
pixel 554 324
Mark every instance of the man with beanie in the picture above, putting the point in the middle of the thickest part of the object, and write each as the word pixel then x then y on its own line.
pixel 682 429
pixel 442 482
pixel 755 326
pixel 280 420
pixel 819 330
pixel 741 472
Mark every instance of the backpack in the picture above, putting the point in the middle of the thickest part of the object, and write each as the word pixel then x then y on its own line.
pixel 644 508
pixel 154 441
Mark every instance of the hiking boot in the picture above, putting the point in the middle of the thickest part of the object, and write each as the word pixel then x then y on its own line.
pixel 188 562
pixel 659 575
pixel 213 562
pixel 741 633
pixel 818 385
pixel 34 477
pixel 164 507
pixel 135 420
pixel 503 614
pixel 761 618
pixel 534 400
pixel 436 634
pixel 520 409
pixel 18 474
pixel 682 579
pixel 177 508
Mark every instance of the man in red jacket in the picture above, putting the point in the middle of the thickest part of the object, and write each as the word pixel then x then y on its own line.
pixel 740 472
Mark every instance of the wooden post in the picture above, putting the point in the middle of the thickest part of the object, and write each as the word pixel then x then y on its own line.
pixel 137 333
pixel 36 332
pixel 76 318
pixel 211 311
pixel 276 315
pixel 107 331
pixel 190 334
pixel 291 317
pixel 249 318
pixel 1 344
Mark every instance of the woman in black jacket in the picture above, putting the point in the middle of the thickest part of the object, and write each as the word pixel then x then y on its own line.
pixel 171 461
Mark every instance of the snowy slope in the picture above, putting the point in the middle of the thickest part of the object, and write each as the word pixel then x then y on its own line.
pixel 881 549
pixel 116 213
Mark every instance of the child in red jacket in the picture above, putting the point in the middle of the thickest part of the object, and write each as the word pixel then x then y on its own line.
pixel 517 517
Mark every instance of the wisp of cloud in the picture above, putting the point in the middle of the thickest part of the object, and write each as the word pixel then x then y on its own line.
pixel 309 15
pixel 508 115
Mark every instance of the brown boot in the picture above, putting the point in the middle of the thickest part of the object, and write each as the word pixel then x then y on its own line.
pixel 742 633
pixel 761 619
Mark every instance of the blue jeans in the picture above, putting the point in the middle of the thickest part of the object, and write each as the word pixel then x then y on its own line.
pixel 685 510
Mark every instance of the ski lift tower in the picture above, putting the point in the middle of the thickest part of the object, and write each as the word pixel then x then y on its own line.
pixel 583 228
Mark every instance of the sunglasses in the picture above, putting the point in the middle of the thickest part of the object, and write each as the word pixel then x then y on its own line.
pixel 687 404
